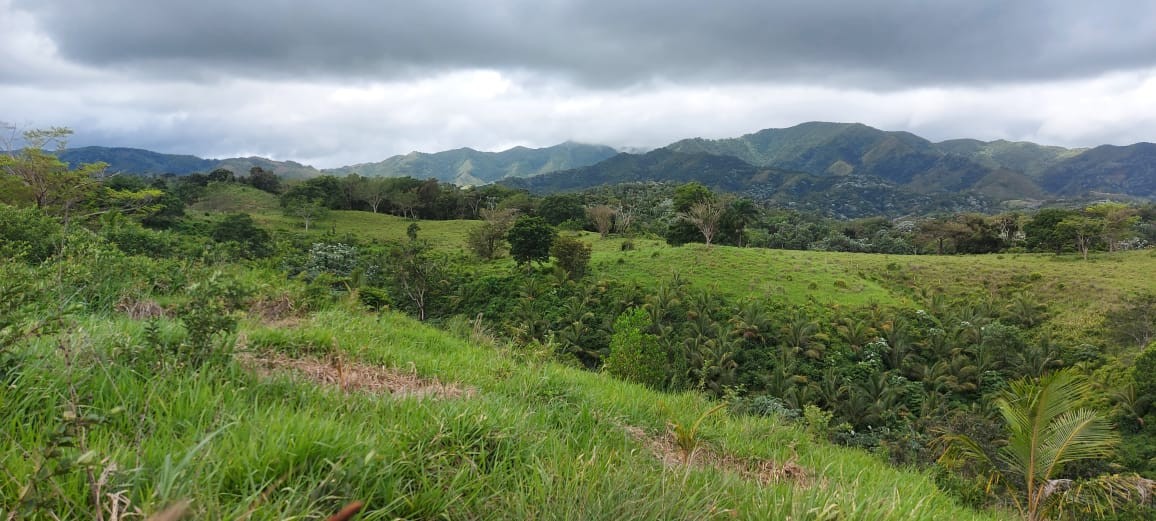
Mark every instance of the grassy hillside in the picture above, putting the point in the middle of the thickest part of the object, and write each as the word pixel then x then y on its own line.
pixel 844 279
pixel 319 409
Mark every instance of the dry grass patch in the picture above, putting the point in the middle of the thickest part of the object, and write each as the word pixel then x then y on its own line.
pixel 665 448
pixel 139 309
pixel 353 376
pixel 275 310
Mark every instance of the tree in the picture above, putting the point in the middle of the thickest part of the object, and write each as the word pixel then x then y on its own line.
pixel 572 255
pixel 603 218
pixel 1043 231
pixel 1119 222
pixel 705 217
pixel 635 355
pixel 623 217
pixel 222 175
pixel 559 208
pixel 1084 230
pixel 374 192
pixel 486 240
pixel 264 180
pixel 306 202
pixel 530 240
pixel 417 274
pixel 1134 322
pixel 1048 426
pixel 48 181
pixel 254 242
pixel 739 214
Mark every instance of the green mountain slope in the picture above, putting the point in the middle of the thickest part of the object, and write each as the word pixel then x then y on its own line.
pixel 286 169
pixel 1019 156
pixel 837 149
pixel 1128 170
pixel 137 161
pixel 469 167
pixel 843 196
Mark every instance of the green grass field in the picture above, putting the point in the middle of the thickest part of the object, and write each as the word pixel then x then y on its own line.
pixel 525 440
pixel 1077 293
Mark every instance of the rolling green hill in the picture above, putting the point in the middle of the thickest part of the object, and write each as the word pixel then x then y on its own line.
pixel 314 406
pixel 137 161
pixel 469 167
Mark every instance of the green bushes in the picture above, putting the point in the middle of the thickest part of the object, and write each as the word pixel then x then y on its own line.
pixel 210 318
pixel 28 234
pixel 635 356
pixel 571 255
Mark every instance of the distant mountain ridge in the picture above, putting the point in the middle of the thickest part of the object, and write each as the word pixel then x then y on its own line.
pixel 140 161
pixel 959 169
pixel 469 167
pixel 463 166
pixel 843 196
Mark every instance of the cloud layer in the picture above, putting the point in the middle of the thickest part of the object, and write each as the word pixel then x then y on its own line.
pixel 336 83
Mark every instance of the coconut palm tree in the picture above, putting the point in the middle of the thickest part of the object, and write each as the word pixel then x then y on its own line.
pixel 1048 426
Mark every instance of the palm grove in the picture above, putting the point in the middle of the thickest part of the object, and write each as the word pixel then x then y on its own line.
pixel 971 384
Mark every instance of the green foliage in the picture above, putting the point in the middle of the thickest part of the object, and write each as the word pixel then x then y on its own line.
pixel 337 259
pixel 1049 426
pixel 687 439
pixel 559 208
pixel 571 255
pixel 486 241
pixel 253 241
pixel 210 320
pixel 27 234
pixel 1133 322
pixel 635 355
pixel 530 240
pixel 1144 376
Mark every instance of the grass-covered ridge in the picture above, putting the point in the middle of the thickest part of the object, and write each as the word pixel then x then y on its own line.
pixel 532 441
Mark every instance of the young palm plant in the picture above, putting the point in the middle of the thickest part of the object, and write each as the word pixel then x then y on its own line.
pixel 1048 426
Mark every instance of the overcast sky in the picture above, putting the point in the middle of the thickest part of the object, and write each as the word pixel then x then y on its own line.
pixel 346 81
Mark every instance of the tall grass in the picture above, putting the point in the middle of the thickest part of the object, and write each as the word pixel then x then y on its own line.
pixel 535 441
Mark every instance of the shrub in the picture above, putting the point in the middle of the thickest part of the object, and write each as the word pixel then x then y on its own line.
pixel 239 228
pixel 209 317
pixel 635 356
pixel 27 233
pixel 572 255
pixel 335 259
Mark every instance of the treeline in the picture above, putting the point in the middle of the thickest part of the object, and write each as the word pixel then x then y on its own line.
pixel 664 210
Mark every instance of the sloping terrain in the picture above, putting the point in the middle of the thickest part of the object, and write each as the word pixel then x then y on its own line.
pixel 1107 169
pixel 469 167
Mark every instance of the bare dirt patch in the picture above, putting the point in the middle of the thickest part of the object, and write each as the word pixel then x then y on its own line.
pixel 765 471
pixel 353 376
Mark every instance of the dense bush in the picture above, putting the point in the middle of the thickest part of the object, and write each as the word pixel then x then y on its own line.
pixel 27 233
pixel 571 255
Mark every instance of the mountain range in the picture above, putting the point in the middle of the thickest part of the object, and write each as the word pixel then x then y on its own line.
pixel 833 165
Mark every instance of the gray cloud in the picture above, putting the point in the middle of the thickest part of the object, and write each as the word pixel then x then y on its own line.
pixel 360 80
pixel 884 44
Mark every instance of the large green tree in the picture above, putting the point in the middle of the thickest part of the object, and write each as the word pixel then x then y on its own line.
pixel 530 240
